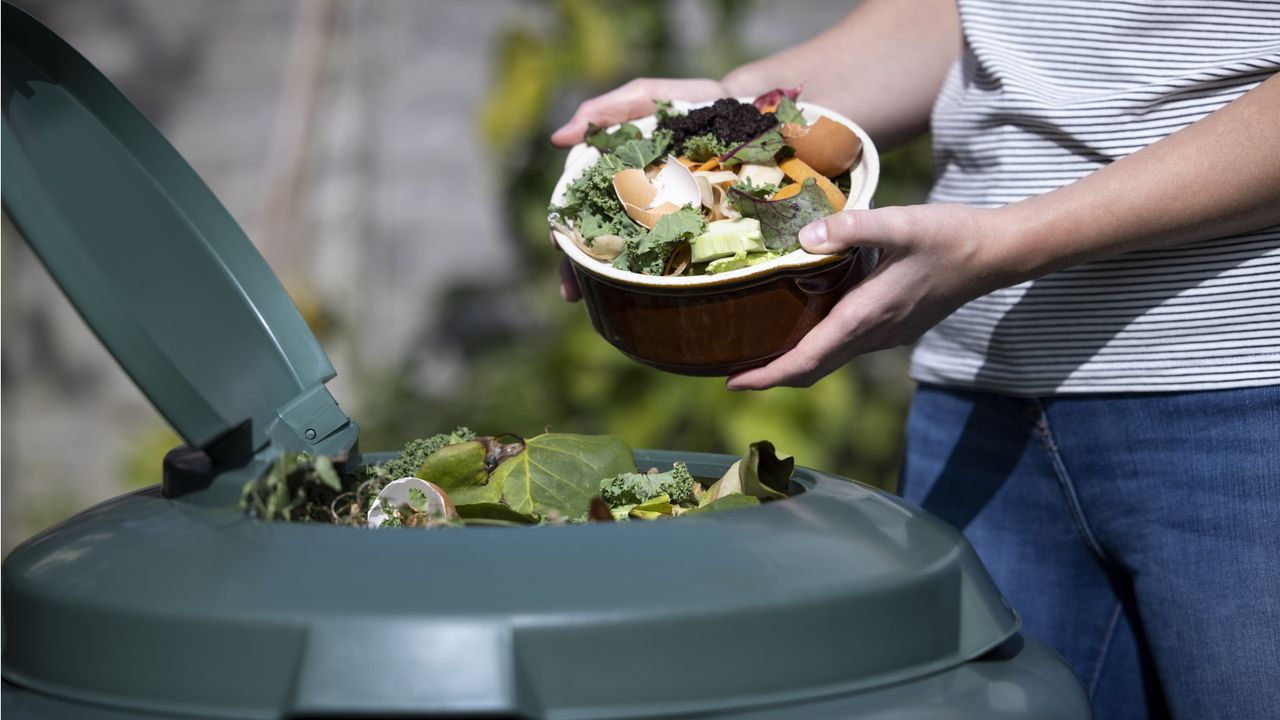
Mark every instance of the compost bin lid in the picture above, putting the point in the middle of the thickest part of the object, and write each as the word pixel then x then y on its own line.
pixel 153 262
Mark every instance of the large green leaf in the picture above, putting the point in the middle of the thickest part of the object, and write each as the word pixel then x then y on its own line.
pixel 561 472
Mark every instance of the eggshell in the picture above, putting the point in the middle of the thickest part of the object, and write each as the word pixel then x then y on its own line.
pixel 710 186
pixel 678 261
pixel 637 194
pixel 396 493
pixel 675 185
pixel 718 177
pixel 826 146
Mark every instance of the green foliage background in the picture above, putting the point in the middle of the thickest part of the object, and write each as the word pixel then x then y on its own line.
pixel 551 369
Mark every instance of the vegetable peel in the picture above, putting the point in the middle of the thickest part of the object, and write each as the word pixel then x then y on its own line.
pixel 798 170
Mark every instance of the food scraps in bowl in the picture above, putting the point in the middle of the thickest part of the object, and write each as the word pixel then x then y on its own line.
pixel 460 478
pixel 718 188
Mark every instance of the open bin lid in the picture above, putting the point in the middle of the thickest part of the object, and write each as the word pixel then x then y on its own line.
pixel 154 263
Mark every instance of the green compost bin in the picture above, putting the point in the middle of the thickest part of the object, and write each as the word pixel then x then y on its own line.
pixel 840 602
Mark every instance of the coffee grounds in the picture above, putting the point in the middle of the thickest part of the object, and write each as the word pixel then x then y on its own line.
pixel 732 122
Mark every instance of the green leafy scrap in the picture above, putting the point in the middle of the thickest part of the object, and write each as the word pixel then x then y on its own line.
pixel 631 488
pixel 590 202
pixel 648 253
pixel 701 148
pixel 415 452
pixel 748 186
pixel 653 508
pixel 787 112
pixel 643 151
pixel 297 486
pixel 781 220
pixel 417 499
pixel 605 141
pixel 761 149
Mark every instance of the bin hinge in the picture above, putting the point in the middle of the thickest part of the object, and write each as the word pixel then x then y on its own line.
pixel 313 422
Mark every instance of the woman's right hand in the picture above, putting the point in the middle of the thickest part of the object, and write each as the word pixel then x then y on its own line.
pixel 630 101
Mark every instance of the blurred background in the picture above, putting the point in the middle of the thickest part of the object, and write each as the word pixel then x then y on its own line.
pixel 389 158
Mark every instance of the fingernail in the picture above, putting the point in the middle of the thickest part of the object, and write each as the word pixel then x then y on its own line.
pixel 814 235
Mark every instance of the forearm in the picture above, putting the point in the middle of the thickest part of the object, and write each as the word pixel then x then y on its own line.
pixel 1217 177
pixel 881 66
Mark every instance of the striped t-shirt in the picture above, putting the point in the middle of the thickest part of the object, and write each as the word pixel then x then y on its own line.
pixel 1050 90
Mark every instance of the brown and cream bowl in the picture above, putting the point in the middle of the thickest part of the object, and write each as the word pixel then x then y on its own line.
pixel 727 322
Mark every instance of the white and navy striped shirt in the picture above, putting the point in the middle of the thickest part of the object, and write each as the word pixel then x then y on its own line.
pixel 1048 91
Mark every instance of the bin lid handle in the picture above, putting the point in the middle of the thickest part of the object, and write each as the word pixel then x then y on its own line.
pixel 154 263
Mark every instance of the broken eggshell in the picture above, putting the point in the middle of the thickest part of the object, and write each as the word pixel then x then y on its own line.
pixel 827 146
pixel 760 174
pixel 711 187
pixel 396 493
pixel 672 188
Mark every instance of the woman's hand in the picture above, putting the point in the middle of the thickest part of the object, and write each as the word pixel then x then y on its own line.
pixel 631 101
pixel 933 259
pixel 628 102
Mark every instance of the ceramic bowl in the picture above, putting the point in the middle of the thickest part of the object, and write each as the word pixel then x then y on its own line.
pixel 724 323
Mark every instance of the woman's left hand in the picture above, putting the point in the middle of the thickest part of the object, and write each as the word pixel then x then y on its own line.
pixel 933 259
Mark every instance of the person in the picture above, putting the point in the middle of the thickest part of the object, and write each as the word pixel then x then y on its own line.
pixel 1095 287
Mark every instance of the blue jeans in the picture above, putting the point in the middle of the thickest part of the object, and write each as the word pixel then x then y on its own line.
pixel 1138 535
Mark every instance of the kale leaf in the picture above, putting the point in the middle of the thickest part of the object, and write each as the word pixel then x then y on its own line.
pixel 762 191
pixel 606 142
pixel 648 253
pixel 637 488
pixel 590 201
pixel 701 148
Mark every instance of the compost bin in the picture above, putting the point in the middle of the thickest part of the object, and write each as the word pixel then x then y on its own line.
pixel 839 602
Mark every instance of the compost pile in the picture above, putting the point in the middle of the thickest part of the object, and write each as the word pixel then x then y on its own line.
pixel 461 478
pixel 719 188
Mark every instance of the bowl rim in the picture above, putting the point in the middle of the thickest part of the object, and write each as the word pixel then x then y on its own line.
pixel 583 156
